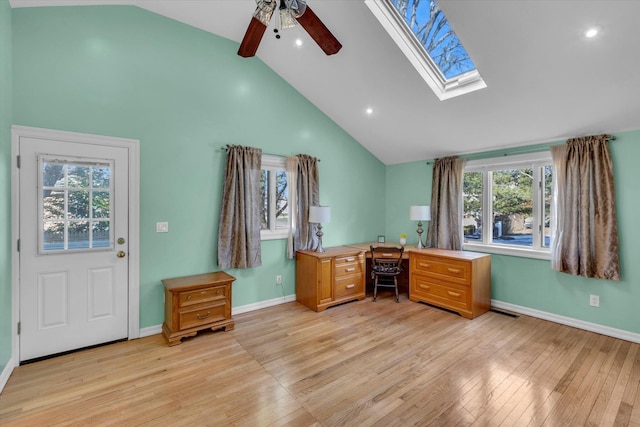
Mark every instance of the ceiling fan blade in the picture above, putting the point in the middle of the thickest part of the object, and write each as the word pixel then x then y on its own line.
pixel 252 37
pixel 319 32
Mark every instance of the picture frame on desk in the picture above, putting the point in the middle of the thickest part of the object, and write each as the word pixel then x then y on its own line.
pixel 380 238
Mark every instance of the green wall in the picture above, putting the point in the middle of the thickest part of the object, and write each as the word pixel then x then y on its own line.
pixel 184 93
pixel 5 182
pixel 531 283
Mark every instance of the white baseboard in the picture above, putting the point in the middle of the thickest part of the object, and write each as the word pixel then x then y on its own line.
pixel 6 373
pixel 150 330
pixel 569 321
pixel 263 304
pixel 157 329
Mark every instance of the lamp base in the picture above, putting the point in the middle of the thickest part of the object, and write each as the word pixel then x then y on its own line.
pixel 319 233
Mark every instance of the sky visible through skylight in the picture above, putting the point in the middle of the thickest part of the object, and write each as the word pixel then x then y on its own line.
pixel 428 23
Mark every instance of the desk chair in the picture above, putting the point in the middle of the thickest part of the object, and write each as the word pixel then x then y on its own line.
pixel 386 263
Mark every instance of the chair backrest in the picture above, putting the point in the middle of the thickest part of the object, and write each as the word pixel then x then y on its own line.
pixel 386 259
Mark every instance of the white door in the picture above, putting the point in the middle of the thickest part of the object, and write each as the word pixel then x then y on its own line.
pixel 73 204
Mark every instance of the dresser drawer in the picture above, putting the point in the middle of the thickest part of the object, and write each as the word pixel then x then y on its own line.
pixel 448 295
pixel 204 315
pixel 349 285
pixel 203 295
pixel 446 269
pixel 349 265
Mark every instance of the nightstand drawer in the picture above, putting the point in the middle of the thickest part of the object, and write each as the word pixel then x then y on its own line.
pixel 199 296
pixel 446 269
pixel 203 316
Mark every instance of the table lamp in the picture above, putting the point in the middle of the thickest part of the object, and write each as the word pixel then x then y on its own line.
pixel 420 213
pixel 318 215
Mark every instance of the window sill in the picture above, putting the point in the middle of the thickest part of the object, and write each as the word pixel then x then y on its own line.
pixel 504 250
pixel 274 235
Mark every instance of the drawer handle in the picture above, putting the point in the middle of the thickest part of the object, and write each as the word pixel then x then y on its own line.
pixel 219 291
pixel 453 294
pixel 350 269
pixel 350 259
pixel 203 316
pixel 189 297
pixel 454 270
pixel 423 265
pixel 425 287
pixel 351 286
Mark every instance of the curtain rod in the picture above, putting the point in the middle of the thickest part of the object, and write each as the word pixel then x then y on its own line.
pixel 226 148
pixel 515 151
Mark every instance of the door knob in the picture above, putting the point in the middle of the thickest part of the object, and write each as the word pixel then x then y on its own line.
pixel 120 254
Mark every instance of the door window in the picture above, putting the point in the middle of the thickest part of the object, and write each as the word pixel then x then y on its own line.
pixel 75 205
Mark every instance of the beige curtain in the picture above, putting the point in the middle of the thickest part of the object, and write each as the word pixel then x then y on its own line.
pixel 308 195
pixel 446 204
pixel 239 227
pixel 586 235
pixel 292 182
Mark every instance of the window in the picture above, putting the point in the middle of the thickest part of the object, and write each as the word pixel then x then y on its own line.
pixel 512 196
pixel 425 36
pixel 274 208
pixel 75 206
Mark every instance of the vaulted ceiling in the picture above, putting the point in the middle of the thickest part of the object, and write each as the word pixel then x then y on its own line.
pixel 545 80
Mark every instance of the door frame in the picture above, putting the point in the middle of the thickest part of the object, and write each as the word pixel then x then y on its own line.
pixel 133 149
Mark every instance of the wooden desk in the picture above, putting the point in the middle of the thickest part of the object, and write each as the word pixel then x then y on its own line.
pixel 324 279
pixel 456 280
pixel 403 278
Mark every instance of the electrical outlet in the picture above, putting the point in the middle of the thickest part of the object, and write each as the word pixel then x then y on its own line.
pixel 162 227
pixel 278 280
pixel 594 300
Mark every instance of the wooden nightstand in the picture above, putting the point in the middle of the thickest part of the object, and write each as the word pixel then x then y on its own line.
pixel 194 303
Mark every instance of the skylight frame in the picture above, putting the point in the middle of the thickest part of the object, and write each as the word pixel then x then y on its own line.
pixel 409 44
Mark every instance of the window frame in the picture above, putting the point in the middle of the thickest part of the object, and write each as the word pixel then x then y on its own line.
pixel 274 164
pixel 538 161
pixel 408 43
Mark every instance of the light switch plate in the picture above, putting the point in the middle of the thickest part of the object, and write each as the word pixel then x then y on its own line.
pixel 162 227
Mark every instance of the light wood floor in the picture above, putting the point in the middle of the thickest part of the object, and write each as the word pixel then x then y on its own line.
pixel 361 363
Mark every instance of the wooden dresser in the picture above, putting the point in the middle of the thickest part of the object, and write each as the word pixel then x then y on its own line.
pixel 456 280
pixel 193 303
pixel 324 279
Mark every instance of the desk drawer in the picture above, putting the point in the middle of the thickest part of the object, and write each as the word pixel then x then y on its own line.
pixel 446 269
pixel 348 266
pixel 201 316
pixel 448 295
pixel 349 285
pixel 203 295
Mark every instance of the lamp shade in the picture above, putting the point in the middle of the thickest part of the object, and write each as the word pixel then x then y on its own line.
pixel 319 214
pixel 420 213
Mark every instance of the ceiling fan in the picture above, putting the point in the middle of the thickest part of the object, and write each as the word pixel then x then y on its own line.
pixel 290 11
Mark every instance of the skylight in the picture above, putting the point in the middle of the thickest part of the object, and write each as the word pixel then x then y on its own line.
pixel 425 36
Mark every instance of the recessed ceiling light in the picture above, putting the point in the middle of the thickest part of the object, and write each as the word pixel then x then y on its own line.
pixel 369 111
pixel 298 42
pixel 592 32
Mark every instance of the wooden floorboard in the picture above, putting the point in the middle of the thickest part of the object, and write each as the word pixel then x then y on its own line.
pixel 357 364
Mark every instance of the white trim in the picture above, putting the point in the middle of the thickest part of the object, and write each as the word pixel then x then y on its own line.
pixel 478 164
pixel 263 304
pixel 150 330
pixel 157 329
pixel 6 373
pixel 513 250
pixel 568 321
pixel 133 147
